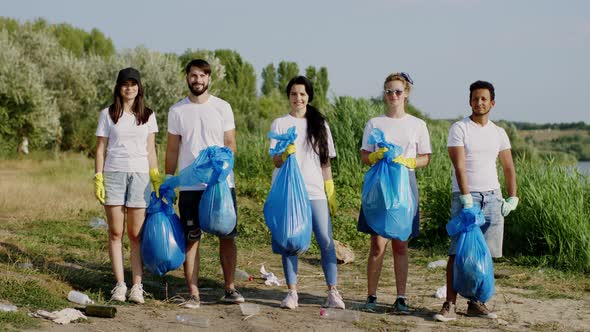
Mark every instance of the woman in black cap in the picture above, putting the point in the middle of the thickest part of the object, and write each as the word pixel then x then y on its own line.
pixel 125 164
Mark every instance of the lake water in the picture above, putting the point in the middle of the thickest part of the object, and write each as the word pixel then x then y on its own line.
pixel 584 167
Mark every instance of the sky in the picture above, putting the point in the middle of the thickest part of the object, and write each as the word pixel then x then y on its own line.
pixel 535 52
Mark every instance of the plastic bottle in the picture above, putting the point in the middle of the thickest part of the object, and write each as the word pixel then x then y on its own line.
pixel 80 298
pixel 97 222
pixel 241 275
pixel 339 314
pixel 7 307
pixel 198 321
pixel 438 263
pixel 249 308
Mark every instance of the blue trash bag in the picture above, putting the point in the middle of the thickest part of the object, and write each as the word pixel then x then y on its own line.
pixel 199 171
pixel 287 210
pixel 216 209
pixel 163 243
pixel 388 201
pixel 473 269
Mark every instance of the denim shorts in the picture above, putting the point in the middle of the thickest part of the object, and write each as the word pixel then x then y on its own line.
pixel 493 228
pixel 364 227
pixel 188 206
pixel 127 188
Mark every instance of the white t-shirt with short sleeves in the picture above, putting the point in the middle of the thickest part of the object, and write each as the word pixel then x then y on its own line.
pixel 127 148
pixel 307 159
pixel 200 126
pixel 408 132
pixel 482 146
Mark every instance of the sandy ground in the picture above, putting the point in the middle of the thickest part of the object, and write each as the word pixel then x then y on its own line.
pixel 516 310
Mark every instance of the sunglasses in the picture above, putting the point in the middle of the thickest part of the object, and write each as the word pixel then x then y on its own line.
pixel 397 92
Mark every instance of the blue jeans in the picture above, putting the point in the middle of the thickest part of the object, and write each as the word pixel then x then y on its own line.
pixel 322 229
pixel 490 203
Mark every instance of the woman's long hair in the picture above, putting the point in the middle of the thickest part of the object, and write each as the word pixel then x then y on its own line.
pixel 141 112
pixel 317 134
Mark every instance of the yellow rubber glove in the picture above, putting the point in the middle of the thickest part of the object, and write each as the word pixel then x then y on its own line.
pixel 288 151
pixel 156 180
pixel 99 191
pixel 374 157
pixel 408 162
pixel 331 194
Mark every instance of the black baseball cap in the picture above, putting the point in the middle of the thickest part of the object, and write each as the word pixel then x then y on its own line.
pixel 128 74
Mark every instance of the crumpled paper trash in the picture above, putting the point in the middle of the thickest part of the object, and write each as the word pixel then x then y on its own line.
pixel 344 253
pixel 270 277
pixel 63 316
pixel 441 292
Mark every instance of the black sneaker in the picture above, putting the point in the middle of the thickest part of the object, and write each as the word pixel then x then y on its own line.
pixel 232 296
pixel 400 307
pixel 371 304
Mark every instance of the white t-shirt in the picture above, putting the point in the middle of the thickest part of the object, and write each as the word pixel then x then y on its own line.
pixel 482 146
pixel 200 126
pixel 408 132
pixel 307 159
pixel 127 149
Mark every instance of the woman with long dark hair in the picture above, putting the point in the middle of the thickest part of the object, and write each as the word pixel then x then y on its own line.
pixel 125 164
pixel 313 148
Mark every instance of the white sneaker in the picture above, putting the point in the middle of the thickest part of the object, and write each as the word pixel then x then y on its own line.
pixel 136 294
pixel 118 293
pixel 290 301
pixel 334 300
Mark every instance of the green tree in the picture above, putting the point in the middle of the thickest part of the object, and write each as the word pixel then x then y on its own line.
pixel 98 44
pixel 319 79
pixel 269 79
pixel 322 85
pixel 239 87
pixel 8 24
pixel 286 71
pixel 70 37
pixel 25 107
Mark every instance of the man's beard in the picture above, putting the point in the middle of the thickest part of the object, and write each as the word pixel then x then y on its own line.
pixel 198 92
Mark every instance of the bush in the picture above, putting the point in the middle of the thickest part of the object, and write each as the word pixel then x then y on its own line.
pixel 551 221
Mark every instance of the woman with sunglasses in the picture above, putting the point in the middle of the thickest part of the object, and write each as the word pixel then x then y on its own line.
pixel 125 164
pixel 313 148
pixel 411 134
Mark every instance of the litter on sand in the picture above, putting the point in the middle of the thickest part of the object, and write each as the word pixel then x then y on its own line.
pixel 64 316
pixel 270 277
pixel 441 292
